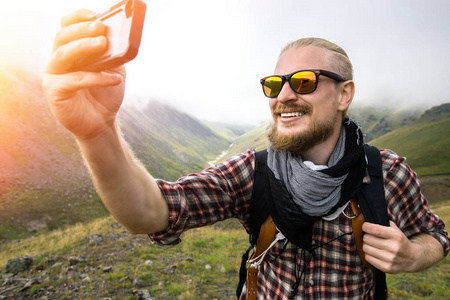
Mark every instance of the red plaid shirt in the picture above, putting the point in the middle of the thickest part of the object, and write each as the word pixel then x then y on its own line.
pixel 333 269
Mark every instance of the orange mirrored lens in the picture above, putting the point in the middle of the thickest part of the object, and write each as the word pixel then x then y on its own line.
pixel 303 82
pixel 272 86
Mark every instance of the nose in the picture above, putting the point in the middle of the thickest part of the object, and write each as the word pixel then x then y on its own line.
pixel 286 94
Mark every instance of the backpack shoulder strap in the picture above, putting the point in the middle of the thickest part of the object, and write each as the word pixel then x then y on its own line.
pixel 258 216
pixel 371 196
pixel 258 206
pixel 370 205
pixel 265 238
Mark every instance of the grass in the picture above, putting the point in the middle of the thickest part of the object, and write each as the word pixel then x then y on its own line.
pixel 53 242
pixel 255 138
pixel 205 264
pixel 433 283
pixel 424 145
pixel 52 208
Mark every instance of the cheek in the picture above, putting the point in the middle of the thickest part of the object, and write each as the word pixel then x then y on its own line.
pixel 326 104
pixel 272 104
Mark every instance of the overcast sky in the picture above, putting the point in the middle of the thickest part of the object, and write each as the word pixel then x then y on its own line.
pixel 206 57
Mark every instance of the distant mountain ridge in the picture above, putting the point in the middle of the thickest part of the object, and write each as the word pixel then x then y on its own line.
pixel 436 113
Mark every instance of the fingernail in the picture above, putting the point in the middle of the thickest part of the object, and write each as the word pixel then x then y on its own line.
pixel 97 41
pixel 93 25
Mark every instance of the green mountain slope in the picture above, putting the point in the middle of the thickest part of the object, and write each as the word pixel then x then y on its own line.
pixel 425 145
pixel 255 138
pixel 169 143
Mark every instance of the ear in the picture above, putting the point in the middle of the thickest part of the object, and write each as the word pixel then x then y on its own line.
pixel 346 96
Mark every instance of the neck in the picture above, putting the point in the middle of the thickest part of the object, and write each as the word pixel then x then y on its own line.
pixel 320 154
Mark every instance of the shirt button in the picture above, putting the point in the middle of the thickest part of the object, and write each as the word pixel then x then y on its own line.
pixel 311 282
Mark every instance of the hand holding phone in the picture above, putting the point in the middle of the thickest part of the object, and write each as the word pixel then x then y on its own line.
pixel 87 102
pixel 124 23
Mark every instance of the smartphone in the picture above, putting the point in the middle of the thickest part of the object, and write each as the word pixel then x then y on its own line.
pixel 124 23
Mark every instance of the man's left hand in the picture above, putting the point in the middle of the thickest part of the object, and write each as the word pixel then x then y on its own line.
pixel 389 249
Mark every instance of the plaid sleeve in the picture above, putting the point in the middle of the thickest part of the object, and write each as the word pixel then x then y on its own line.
pixel 203 198
pixel 407 206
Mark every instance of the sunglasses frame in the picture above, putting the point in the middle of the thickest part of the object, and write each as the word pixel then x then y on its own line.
pixel 288 77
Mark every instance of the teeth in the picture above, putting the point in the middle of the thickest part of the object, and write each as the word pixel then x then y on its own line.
pixel 290 115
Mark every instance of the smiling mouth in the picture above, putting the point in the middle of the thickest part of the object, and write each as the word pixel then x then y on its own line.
pixel 291 114
pixel 288 112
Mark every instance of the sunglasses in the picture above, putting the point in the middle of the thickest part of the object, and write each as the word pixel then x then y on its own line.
pixel 301 82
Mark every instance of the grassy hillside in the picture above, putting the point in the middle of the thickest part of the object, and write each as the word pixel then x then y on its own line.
pixel 255 138
pixel 99 259
pixel 169 143
pixel 425 145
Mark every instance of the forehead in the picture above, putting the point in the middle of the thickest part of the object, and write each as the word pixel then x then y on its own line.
pixel 308 57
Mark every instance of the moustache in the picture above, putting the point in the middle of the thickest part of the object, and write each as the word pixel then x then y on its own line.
pixel 283 108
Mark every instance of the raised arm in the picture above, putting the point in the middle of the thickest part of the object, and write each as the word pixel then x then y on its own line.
pixel 86 103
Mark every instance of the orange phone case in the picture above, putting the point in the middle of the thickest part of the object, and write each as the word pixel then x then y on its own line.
pixel 124 23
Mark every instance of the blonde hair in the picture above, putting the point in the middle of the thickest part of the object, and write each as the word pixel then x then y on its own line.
pixel 338 58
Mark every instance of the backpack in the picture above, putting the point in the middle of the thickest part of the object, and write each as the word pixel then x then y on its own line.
pixel 370 200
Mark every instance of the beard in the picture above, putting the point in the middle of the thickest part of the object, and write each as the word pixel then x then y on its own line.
pixel 299 142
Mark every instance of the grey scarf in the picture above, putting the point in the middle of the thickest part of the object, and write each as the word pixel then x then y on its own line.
pixel 314 191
